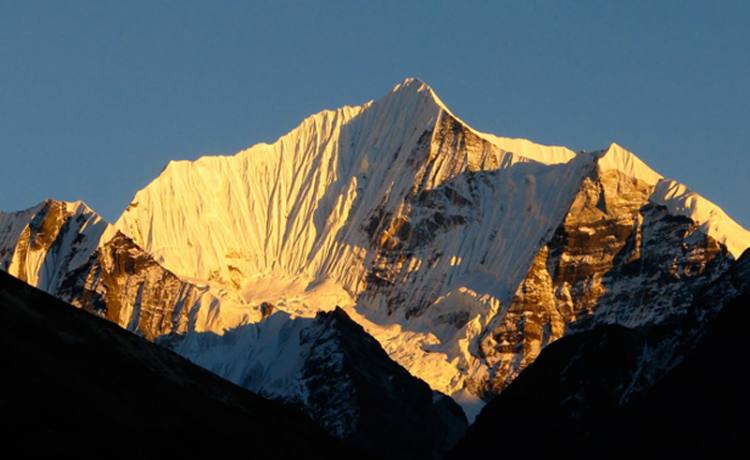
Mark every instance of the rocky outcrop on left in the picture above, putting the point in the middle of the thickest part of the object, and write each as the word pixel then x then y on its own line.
pixel 124 284
pixel 69 251
pixel 75 385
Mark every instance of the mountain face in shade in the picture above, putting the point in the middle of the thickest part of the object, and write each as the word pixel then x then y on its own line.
pixel 356 391
pixel 339 375
pixel 462 253
pixel 674 389
pixel 75 384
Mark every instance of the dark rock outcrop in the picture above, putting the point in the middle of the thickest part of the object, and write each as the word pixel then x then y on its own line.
pixel 356 391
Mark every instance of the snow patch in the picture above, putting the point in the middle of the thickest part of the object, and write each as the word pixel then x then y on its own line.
pixel 619 159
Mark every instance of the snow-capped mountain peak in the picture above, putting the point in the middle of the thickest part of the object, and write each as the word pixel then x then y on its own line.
pixel 42 243
pixel 414 87
pixel 617 158
pixel 421 227
pixel 678 198
pixel 462 253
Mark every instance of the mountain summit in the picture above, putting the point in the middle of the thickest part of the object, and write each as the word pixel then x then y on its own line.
pixel 463 253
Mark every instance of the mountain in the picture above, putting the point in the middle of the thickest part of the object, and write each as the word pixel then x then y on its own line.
pixel 463 254
pixel 607 391
pixel 68 250
pixel 331 369
pixel 75 384
pixel 327 367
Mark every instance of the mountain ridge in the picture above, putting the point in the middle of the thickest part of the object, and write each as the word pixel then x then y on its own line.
pixel 461 257
pixel 671 389
pixel 445 172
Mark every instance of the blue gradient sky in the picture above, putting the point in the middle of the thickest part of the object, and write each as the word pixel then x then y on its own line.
pixel 95 97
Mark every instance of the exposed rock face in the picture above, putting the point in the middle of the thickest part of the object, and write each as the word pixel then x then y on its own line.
pixel 266 309
pixel 444 197
pixel 616 259
pixel 676 388
pixel 125 285
pixel 38 238
pixel 67 250
pixel 42 244
pixel 531 322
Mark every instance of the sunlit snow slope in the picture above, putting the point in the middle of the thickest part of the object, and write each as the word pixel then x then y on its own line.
pixel 428 233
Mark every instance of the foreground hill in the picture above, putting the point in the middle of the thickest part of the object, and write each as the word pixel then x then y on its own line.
pixel 73 383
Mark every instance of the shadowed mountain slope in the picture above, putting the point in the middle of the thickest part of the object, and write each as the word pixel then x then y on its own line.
pixel 75 383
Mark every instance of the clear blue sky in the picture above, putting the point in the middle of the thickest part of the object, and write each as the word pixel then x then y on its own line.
pixel 95 97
